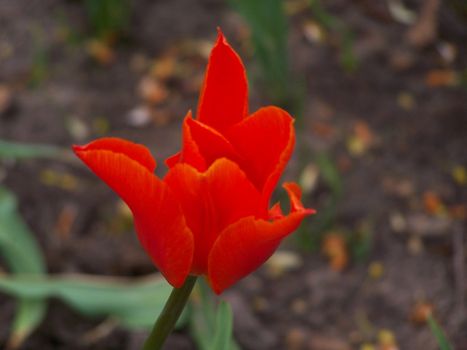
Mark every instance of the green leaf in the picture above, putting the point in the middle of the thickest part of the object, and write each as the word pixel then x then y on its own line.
pixel 29 314
pixel 15 150
pixel 22 255
pixel 347 57
pixel 330 173
pixel 108 17
pixel 210 324
pixel 223 332
pixel 268 24
pixel 439 334
pixel 134 304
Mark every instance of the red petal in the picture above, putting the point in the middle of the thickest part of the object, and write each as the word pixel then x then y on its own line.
pixel 159 222
pixel 265 141
pixel 224 97
pixel 245 245
pixel 135 151
pixel 190 152
pixel 211 144
pixel 275 212
pixel 172 160
pixel 211 201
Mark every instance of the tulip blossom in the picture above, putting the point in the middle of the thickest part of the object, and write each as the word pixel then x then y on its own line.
pixel 210 214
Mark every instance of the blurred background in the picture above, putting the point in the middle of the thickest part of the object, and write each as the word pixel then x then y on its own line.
pixel 379 92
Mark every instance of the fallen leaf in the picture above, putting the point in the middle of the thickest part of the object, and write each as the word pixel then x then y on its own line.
pixel 458 211
pixel 335 249
pixel 139 63
pixel 355 146
pixel 161 116
pixel 375 270
pixel 61 180
pixel 420 313
pixel 387 340
pixel 398 222
pixel 459 174
pixel 406 101
pixel 6 50
pixel 323 129
pixel 281 262
pixel 425 31
pixel 77 128
pixel 344 163
pixel 313 32
pixel 361 139
pixel 164 68
pixel 139 117
pixel 415 245
pixel 448 52
pixel 6 100
pixel 100 51
pixel 294 7
pixel 363 132
pixel 152 91
pixel 441 78
pixel 425 225
pixel 432 203
pixel 102 331
pixel 100 126
pixel 299 306
pixel 403 188
pixel 65 220
pixel 400 12
pixel 402 59
pixel 261 304
pixel 295 338
pixel 309 178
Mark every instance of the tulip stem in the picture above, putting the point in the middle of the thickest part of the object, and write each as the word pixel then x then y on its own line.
pixel 169 315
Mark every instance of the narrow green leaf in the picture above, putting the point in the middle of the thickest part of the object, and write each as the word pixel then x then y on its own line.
pixel 16 150
pixel 439 334
pixel 223 332
pixel 210 324
pixel 268 24
pixel 330 173
pixel 29 314
pixel 133 303
pixel 17 243
pixel 22 255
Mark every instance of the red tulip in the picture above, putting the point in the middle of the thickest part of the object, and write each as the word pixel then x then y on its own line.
pixel 210 214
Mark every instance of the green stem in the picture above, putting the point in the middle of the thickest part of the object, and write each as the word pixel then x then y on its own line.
pixel 169 315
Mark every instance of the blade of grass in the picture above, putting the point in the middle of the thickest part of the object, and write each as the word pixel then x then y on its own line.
pixel 223 333
pixel 210 324
pixel 108 18
pixel 22 255
pixel 347 58
pixel 268 24
pixel 439 334
pixel 16 150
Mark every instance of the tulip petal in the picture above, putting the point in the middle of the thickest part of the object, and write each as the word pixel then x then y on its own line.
pixel 211 201
pixel 265 140
pixel 135 151
pixel 223 100
pixel 246 244
pixel 159 221
pixel 190 152
pixel 173 160
pixel 211 144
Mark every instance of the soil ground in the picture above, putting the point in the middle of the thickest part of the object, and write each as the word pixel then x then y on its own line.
pixel 396 128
